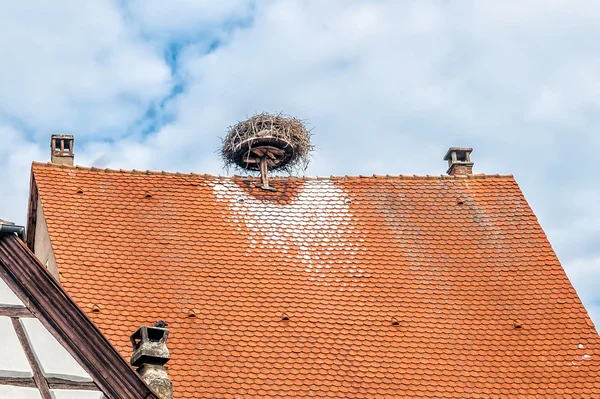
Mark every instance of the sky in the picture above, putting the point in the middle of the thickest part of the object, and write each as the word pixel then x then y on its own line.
pixel 386 86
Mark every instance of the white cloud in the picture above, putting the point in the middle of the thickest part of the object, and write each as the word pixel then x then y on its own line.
pixel 184 18
pixel 15 163
pixel 75 66
pixel 386 85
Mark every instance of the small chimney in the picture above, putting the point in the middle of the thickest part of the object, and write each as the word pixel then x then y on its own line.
pixel 150 354
pixel 61 149
pixel 459 161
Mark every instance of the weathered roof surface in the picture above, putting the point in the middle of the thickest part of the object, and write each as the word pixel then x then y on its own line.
pixel 334 287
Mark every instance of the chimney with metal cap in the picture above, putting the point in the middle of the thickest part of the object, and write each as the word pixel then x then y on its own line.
pixel 150 354
pixel 61 149
pixel 459 161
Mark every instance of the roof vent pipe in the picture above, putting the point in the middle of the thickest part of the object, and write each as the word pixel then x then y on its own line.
pixel 150 354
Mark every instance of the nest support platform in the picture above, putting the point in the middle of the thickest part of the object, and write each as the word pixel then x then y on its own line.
pixel 277 152
pixel 267 142
pixel 263 154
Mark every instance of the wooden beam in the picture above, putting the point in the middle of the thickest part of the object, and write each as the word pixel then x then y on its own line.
pixel 53 383
pixel 264 173
pixel 251 160
pixel 18 381
pixel 38 376
pixel 15 311
pixel 64 383
pixel 276 151
pixel 258 151
pixel 32 213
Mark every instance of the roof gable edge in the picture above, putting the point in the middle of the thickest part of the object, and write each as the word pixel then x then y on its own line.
pixel 44 297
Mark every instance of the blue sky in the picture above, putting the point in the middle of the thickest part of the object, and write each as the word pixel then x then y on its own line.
pixel 387 87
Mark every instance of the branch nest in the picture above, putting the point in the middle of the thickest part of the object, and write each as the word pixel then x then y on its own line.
pixel 283 140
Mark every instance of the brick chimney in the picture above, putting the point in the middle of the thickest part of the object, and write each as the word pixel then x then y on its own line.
pixel 150 354
pixel 459 161
pixel 61 149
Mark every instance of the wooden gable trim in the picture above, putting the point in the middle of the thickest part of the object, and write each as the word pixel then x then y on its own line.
pixel 32 212
pixel 44 297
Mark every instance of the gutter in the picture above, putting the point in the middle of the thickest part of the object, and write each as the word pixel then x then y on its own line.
pixel 6 229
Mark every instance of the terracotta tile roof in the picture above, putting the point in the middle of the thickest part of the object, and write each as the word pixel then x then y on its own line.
pixel 377 286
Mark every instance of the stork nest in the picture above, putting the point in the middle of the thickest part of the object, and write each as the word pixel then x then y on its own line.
pixel 283 140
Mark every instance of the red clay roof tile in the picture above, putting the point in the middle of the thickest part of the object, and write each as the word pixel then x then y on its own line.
pixel 395 286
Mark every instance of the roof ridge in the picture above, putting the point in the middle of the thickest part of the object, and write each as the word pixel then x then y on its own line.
pixel 332 177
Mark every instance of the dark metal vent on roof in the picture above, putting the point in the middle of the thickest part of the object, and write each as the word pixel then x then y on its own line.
pixel 11 228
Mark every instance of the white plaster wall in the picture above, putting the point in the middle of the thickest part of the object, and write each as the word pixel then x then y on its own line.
pixel 43 247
